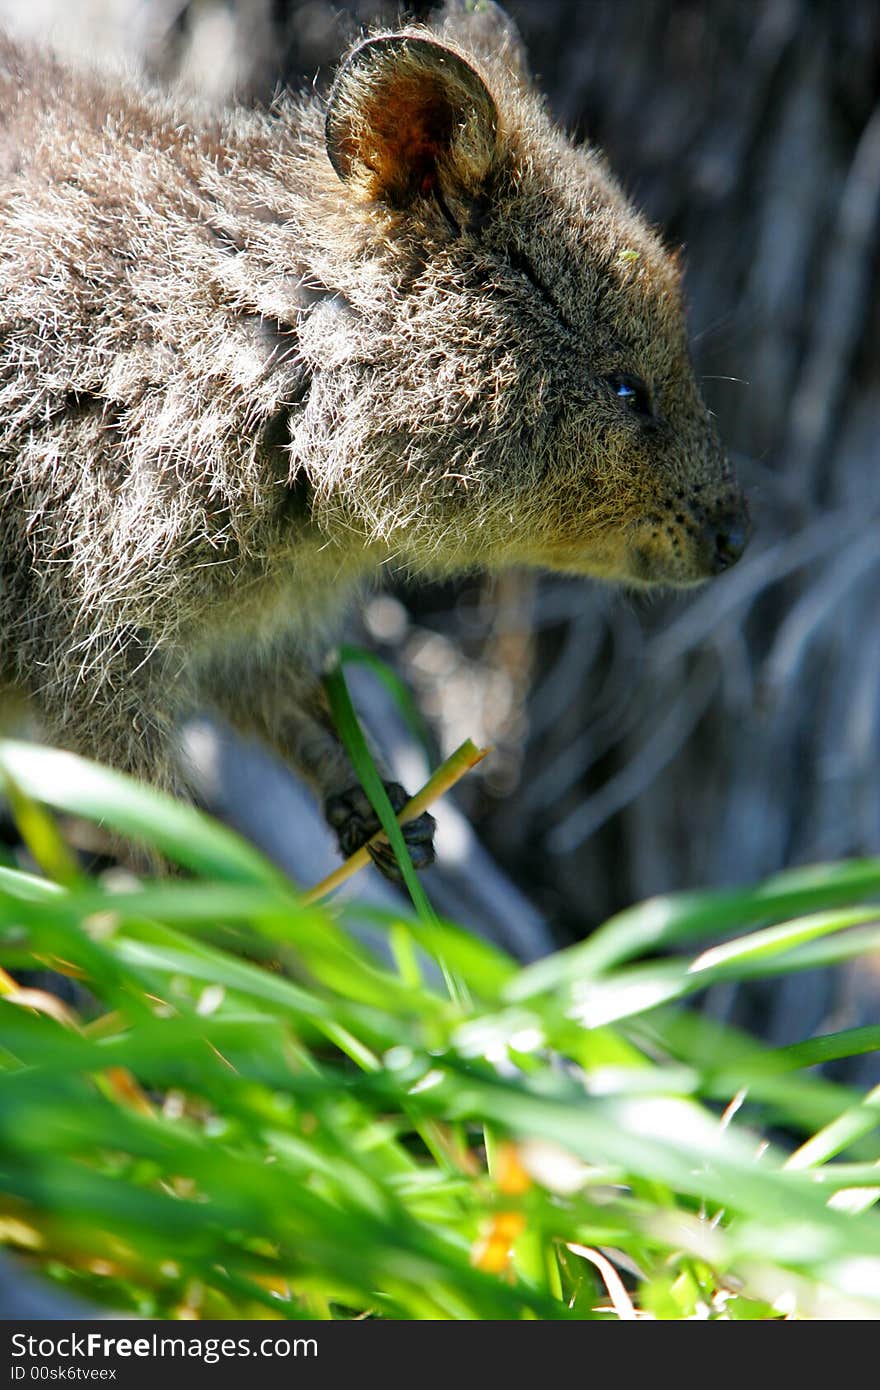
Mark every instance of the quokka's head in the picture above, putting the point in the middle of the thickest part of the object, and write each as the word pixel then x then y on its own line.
pixel 509 380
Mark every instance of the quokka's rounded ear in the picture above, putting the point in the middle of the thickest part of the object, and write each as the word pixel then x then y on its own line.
pixel 407 117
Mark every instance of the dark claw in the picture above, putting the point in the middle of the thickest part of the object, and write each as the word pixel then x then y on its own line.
pixel 355 821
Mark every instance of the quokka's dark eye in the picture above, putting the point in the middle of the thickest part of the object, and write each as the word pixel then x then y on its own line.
pixel 632 393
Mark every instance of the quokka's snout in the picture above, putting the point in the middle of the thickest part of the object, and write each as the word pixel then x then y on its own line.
pixel 688 542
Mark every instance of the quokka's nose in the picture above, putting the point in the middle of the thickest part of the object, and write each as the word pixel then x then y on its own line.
pixel 725 537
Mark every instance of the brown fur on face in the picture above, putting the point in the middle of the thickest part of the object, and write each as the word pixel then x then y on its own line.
pixel 247 362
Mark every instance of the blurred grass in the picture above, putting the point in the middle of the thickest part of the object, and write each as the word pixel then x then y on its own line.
pixel 252 1113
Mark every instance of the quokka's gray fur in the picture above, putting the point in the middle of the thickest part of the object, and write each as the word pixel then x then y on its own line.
pixel 248 362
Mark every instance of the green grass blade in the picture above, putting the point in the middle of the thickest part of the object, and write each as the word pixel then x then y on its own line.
pixel 667 921
pixel 184 835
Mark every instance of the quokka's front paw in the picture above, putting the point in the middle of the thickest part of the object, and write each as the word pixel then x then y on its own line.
pixel 355 821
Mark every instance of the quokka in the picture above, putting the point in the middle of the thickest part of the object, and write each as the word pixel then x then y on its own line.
pixel 249 362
